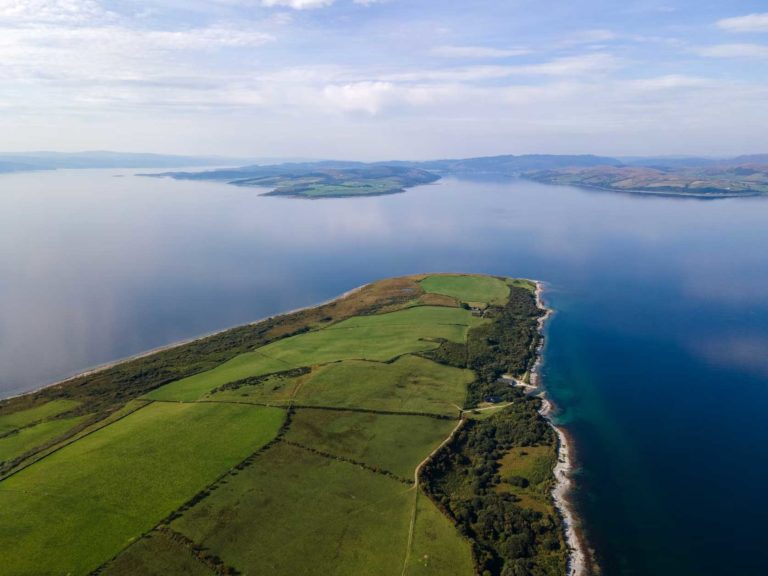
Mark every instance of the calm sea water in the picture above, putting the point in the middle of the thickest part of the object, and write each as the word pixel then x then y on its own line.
pixel 657 355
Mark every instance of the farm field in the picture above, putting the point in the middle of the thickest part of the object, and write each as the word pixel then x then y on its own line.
pixel 25 439
pixel 470 289
pixel 157 555
pixel 84 503
pixel 395 443
pixel 377 337
pixel 296 456
pixel 26 417
pixel 295 512
pixel 437 549
pixel 409 384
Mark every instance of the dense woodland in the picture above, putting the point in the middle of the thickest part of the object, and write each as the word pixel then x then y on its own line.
pixel 507 539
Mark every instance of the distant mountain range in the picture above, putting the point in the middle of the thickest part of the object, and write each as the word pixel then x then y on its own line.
pixel 689 176
pixel 676 175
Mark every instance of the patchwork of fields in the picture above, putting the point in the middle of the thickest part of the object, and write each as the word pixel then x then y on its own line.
pixel 296 457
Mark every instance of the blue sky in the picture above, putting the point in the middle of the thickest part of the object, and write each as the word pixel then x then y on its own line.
pixel 375 79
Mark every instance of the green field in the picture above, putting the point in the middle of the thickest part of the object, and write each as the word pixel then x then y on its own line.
pixel 294 512
pixel 470 289
pixel 437 549
pixel 157 555
pixel 86 502
pixel 534 465
pixel 14 445
pixel 26 417
pixel 377 337
pixel 391 442
pixel 409 384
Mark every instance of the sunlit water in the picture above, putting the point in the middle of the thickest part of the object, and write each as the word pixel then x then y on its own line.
pixel 657 355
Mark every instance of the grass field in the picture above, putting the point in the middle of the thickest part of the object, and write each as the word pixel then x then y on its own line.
pixel 278 390
pixel 28 438
pixel 84 503
pixel 157 555
pixel 533 464
pixel 294 512
pixel 470 289
pixel 522 283
pixel 377 337
pixel 391 442
pixel 26 417
pixel 409 384
pixel 437 549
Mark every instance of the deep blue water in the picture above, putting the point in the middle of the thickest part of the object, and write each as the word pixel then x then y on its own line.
pixel 657 355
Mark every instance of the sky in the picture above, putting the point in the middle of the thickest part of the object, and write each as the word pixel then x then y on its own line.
pixel 385 79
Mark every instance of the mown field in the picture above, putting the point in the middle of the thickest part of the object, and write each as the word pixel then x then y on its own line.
pixel 469 289
pixel 378 337
pixel 84 503
pixel 294 453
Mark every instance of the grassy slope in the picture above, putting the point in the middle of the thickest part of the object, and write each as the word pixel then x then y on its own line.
pixel 26 417
pixel 378 337
pixel 84 503
pixel 534 464
pixel 474 289
pixel 27 438
pixel 437 549
pixel 410 384
pixel 157 555
pixel 294 512
pixel 392 442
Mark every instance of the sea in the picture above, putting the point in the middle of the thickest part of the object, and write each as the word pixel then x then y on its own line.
pixel 656 356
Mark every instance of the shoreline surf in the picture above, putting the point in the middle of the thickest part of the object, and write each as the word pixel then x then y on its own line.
pixel 579 561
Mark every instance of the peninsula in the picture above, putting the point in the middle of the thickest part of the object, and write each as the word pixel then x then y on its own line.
pixel 371 434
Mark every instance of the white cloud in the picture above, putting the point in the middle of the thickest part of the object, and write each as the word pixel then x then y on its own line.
pixel 734 51
pixel 297 4
pixel 749 23
pixel 49 11
pixel 588 65
pixel 670 82
pixel 477 52
pixel 367 97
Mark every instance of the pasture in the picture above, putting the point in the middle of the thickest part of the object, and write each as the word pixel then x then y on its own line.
pixel 377 337
pixel 469 289
pixel 87 501
pixel 437 548
pixel 25 439
pixel 391 442
pixel 409 384
pixel 157 555
pixel 23 418
pixel 295 512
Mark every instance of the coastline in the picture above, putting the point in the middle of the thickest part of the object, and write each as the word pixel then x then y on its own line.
pixel 578 559
pixel 175 344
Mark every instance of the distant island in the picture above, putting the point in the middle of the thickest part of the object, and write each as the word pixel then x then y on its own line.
pixel 389 431
pixel 721 180
pixel 318 180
